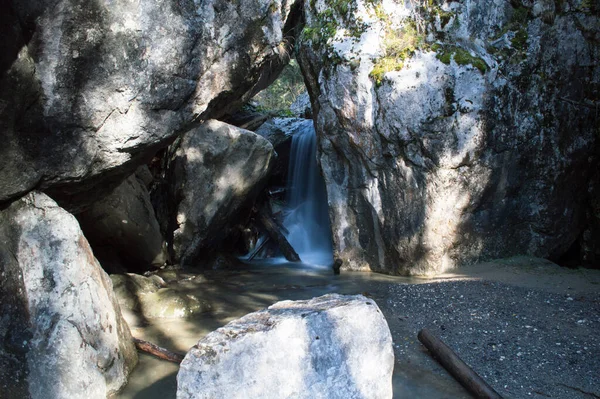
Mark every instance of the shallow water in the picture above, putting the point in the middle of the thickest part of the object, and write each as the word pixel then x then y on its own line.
pixel 236 293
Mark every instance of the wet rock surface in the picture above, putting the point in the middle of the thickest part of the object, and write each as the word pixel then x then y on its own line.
pixel 61 328
pixel 332 346
pixel 280 132
pixel 152 297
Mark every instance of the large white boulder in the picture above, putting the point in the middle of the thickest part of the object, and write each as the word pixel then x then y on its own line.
pixel 91 90
pixel 61 330
pixel 332 346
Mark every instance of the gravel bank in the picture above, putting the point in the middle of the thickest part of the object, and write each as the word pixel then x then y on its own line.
pixel 525 343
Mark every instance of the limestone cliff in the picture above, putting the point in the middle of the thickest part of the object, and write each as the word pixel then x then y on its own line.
pixel 453 131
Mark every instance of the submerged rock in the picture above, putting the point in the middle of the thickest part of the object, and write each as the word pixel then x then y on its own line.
pixel 333 346
pixel 122 229
pixel 215 171
pixel 89 91
pixel 151 297
pixel 61 329
pixel 454 132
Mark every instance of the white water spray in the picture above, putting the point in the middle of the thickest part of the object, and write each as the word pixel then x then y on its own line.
pixel 308 220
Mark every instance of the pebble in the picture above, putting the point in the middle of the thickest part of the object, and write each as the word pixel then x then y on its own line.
pixel 518 337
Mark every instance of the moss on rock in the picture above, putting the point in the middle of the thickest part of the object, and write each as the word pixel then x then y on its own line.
pixel 461 56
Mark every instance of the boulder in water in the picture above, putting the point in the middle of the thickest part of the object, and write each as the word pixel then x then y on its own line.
pixel 152 298
pixel 216 170
pixel 61 330
pixel 332 346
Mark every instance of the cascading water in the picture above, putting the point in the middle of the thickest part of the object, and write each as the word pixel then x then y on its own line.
pixel 307 220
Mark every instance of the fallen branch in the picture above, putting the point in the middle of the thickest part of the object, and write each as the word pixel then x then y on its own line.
pixel 260 247
pixel 269 224
pixel 157 351
pixel 456 367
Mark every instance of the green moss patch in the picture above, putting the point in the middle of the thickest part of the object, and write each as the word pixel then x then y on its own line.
pixel 461 56
pixel 398 46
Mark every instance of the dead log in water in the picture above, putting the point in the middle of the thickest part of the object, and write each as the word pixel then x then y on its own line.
pixel 456 367
pixel 265 218
pixel 157 351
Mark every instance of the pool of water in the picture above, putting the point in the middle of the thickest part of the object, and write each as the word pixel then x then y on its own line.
pixel 235 293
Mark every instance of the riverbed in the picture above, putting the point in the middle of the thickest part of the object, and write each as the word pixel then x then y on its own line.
pixel 529 327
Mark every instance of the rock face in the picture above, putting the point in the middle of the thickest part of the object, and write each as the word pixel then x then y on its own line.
pixel 301 108
pixel 457 132
pixel 589 247
pixel 122 229
pixel 90 91
pixel 333 346
pixel 215 170
pixel 61 328
pixel 279 132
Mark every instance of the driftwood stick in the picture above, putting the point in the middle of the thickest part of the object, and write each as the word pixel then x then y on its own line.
pixel 456 367
pixel 260 247
pixel 269 224
pixel 157 351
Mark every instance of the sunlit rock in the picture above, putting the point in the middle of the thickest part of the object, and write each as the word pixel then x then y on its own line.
pixel 61 330
pixel 455 132
pixel 332 346
pixel 123 230
pixel 91 90
pixel 216 170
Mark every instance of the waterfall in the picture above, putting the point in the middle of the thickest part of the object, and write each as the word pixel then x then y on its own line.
pixel 308 219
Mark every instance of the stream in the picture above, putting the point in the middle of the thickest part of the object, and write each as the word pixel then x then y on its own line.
pixel 235 293
pixel 535 286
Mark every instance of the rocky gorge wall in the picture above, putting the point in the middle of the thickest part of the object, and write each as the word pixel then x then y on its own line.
pixel 91 90
pixel 448 132
pixel 453 131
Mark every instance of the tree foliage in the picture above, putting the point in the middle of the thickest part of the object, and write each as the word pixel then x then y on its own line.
pixel 278 97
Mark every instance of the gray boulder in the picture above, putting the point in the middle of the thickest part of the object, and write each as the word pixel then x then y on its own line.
pixel 333 346
pixel 453 133
pixel 61 328
pixel 123 230
pixel 89 91
pixel 215 171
